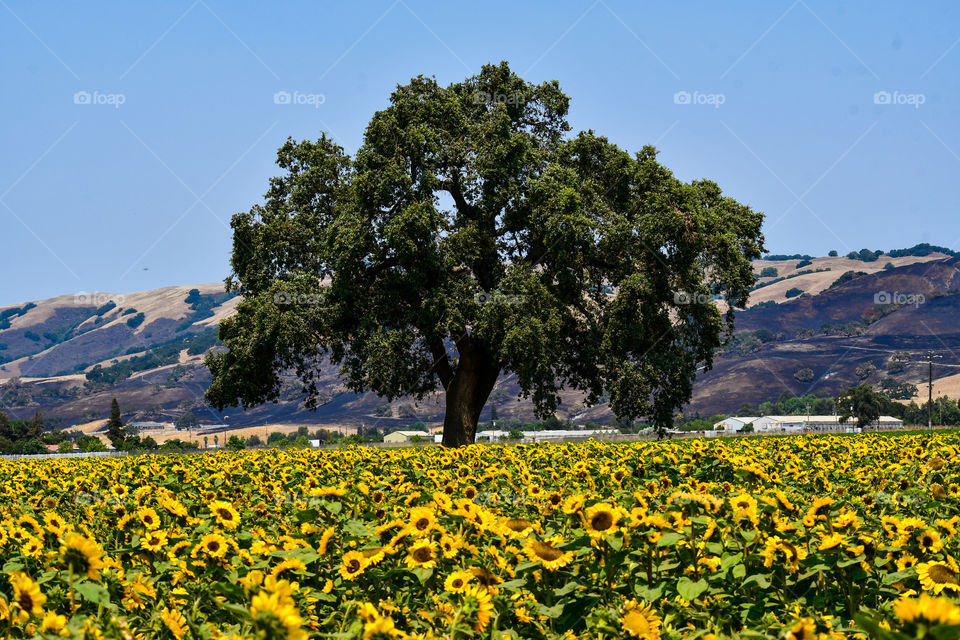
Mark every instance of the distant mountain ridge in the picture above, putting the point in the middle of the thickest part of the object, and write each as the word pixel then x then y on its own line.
pixel 814 325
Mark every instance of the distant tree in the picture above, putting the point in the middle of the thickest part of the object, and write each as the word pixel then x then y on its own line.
pixel 5 426
pixel 747 428
pixel 35 432
pixel 793 292
pixel 65 447
pixel 861 402
pixel 381 410
pixel 90 444
pixel 833 253
pixel 254 441
pixel 277 437
pixel 419 425
pixel 768 272
pixel 115 431
pixel 186 421
pixel 865 370
pixel 888 266
pixel 149 443
pixel 804 375
pixel 804 263
pixel 235 443
pixel 747 409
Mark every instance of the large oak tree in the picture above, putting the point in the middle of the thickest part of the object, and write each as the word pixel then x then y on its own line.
pixel 471 236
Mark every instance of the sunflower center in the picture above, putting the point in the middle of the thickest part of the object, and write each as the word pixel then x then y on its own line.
pixel 518 524
pixel 457 583
pixel 602 521
pixel 213 545
pixel 546 552
pixel 353 565
pixel 25 601
pixel 422 524
pixel 941 574
pixel 422 554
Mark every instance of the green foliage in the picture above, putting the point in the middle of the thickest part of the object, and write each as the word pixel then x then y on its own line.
pixel 793 292
pixel 109 306
pixel 804 375
pixel 235 443
pixel 846 277
pixel 804 263
pixel 833 253
pixel 65 447
pixel 136 320
pixel 768 272
pixel 896 390
pixel 922 249
pixel 90 444
pixel 186 420
pixel 795 256
pixel 160 355
pixel 554 257
pixel 865 255
pixel 115 430
pixel 861 402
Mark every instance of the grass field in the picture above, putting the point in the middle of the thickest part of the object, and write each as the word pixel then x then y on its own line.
pixel 793 537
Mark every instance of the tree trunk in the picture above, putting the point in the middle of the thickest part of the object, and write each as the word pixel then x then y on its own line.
pixel 466 395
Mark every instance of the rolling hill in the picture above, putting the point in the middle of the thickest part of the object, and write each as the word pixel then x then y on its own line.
pixel 818 326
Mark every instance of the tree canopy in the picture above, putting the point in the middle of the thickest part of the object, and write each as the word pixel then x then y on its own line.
pixel 470 236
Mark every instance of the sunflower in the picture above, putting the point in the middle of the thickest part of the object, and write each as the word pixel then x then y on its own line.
pixel 154 540
pixel 353 565
pixel 422 554
pixel 517 527
pixel 930 541
pixel 174 621
pixel 601 519
pixel 27 597
pixel 927 609
pixel 640 621
pixel 225 514
pixel 802 629
pixel 148 517
pixel 213 544
pixel 830 541
pixel 449 545
pixel 551 557
pixel 477 605
pixel 53 622
pixel 82 555
pixel 818 510
pixel 421 521
pixel 55 524
pixel 937 576
pixel 744 507
pixel 573 504
pixel 457 581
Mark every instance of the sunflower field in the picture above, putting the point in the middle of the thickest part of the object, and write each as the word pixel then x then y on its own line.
pixel 796 537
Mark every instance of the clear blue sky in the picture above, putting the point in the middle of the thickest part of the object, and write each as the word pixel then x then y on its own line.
pixel 131 196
